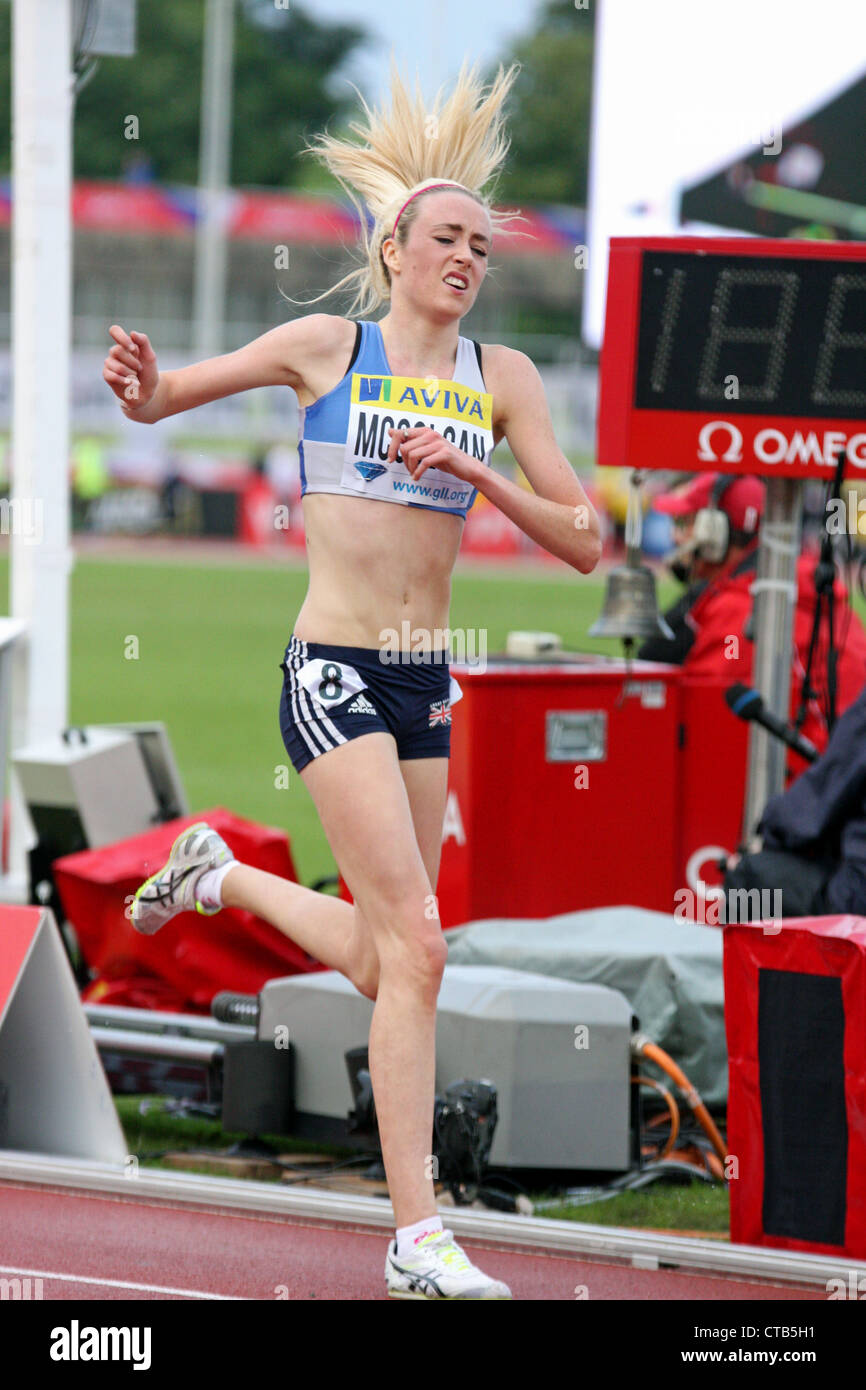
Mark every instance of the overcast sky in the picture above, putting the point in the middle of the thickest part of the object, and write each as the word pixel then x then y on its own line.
pixel 431 35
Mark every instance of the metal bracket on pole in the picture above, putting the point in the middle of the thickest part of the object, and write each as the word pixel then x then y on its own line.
pixel 214 192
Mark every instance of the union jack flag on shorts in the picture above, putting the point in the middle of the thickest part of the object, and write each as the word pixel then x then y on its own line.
pixel 440 712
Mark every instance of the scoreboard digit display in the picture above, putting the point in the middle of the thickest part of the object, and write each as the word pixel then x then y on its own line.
pixel 737 354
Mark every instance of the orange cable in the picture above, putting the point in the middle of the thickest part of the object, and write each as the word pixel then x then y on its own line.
pixel 654 1053
pixel 672 1107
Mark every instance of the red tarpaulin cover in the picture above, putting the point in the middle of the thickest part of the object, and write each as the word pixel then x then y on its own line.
pixel 807 947
pixel 192 957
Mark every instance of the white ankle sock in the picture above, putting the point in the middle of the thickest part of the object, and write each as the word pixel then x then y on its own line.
pixel 208 890
pixel 408 1236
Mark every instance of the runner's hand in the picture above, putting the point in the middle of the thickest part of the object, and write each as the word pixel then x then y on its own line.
pixel 421 448
pixel 130 368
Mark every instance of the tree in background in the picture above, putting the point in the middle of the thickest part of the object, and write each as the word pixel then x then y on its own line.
pixel 549 109
pixel 284 65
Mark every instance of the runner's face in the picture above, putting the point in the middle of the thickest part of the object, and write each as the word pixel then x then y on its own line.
pixel 444 260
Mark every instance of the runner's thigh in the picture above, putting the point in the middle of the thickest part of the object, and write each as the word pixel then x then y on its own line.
pixel 426 782
pixel 364 808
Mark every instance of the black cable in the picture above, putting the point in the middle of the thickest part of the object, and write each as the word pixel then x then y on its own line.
pixel 824 581
pixel 502 1178
pixel 304 1175
pixel 81 44
pixel 633 1180
pixel 848 568
pixel 85 10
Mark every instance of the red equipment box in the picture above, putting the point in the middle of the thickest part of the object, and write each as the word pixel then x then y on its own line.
pixel 544 777
pixel 795 1016
pixel 712 761
pixel 196 956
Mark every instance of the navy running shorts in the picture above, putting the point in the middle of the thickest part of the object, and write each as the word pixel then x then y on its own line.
pixel 333 694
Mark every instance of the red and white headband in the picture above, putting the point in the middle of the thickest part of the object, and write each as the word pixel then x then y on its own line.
pixel 427 189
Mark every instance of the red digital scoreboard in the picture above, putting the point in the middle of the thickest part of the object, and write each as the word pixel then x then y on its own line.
pixel 741 354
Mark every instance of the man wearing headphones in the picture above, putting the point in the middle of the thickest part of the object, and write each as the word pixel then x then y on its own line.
pixel 717 519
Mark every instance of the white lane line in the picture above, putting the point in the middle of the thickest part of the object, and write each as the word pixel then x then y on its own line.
pixel 116 1283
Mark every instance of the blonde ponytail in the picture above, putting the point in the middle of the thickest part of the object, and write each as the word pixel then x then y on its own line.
pixel 405 150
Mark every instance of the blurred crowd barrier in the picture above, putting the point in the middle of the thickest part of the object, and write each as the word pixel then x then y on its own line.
pixel 264 415
pixel 231 469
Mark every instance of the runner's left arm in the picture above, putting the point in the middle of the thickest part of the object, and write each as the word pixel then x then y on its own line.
pixel 557 514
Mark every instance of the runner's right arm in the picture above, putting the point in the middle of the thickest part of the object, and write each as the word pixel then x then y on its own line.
pixel 277 358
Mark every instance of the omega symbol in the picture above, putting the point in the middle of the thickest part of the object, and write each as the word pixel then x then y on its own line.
pixel 734 451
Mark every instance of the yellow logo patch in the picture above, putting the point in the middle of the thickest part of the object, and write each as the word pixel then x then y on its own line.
pixel 417 395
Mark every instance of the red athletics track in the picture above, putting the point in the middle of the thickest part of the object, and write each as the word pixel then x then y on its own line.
pixel 85 1246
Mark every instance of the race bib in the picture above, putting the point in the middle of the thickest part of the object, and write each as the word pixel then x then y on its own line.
pixel 329 682
pixel 378 404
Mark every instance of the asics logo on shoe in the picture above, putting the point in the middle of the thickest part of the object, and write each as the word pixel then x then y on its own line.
pixel 420 1280
pixel 421 1283
pixel 360 705
pixel 163 894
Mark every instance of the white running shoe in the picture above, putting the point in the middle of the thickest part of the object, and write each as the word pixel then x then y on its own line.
pixel 438 1268
pixel 196 850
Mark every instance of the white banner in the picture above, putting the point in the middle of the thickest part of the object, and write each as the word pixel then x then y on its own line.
pixel 680 87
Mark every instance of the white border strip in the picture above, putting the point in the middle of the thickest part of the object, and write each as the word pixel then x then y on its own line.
pixel 641 1250
pixel 100 1283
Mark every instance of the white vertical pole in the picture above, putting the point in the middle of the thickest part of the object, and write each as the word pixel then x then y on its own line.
pixel 775 604
pixel 209 296
pixel 41 556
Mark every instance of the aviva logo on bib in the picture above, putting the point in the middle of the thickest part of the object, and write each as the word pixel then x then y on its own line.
pixel 446 398
pixel 378 404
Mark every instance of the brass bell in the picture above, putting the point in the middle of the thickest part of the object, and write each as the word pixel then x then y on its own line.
pixel 630 605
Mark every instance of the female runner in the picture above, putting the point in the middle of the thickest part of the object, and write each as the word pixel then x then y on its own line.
pixel 398 421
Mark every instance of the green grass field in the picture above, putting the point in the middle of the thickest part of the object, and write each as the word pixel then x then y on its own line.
pixel 209 643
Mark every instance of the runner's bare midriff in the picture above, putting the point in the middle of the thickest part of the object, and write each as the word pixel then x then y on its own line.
pixel 374 567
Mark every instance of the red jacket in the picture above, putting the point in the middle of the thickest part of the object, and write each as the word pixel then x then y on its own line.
pixel 719 616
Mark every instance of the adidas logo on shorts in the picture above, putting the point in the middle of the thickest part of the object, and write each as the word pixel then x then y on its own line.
pixel 361 705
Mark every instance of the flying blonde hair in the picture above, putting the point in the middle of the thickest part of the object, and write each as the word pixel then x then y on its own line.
pixel 408 150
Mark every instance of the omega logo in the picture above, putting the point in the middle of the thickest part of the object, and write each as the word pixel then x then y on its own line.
pixel 734 451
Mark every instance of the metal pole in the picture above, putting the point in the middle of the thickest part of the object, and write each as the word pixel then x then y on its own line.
pixel 775 599
pixel 214 167
pixel 41 556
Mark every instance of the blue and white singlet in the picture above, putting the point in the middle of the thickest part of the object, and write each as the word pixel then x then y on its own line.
pixel 343 438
